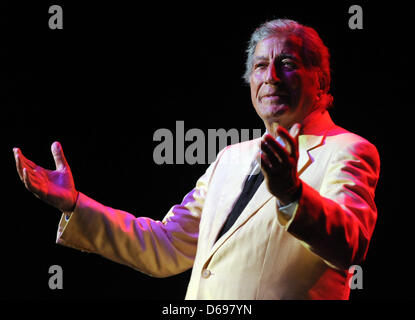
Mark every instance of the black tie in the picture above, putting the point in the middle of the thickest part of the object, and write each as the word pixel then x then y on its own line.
pixel 250 187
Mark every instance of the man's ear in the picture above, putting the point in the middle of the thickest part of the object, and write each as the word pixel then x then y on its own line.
pixel 322 81
pixel 320 84
pixel 323 96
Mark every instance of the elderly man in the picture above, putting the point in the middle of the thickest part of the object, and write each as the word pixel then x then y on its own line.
pixel 290 230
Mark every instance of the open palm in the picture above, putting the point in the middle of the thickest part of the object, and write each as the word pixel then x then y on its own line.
pixel 55 187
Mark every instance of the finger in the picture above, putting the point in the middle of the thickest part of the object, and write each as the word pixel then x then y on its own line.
pixel 18 164
pixel 58 156
pixel 291 142
pixel 269 155
pixel 265 162
pixel 26 163
pixel 26 179
pixel 295 130
pixel 276 149
pixel 22 162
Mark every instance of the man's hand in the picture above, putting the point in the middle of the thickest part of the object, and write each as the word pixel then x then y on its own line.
pixel 56 187
pixel 279 164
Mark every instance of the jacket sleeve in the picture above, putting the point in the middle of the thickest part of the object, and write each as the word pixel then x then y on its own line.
pixel 337 221
pixel 157 248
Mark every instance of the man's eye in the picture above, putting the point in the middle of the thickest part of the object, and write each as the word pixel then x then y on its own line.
pixel 288 64
pixel 260 65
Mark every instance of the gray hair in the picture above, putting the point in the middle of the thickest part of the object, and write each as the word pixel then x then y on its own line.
pixel 314 53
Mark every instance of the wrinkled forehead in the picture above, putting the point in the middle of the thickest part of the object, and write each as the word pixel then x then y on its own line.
pixel 275 45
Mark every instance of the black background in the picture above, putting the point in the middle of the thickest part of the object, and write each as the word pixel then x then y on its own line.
pixel 117 72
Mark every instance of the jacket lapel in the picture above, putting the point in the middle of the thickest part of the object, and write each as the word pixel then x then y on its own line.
pixel 233 183
pixel 307 143
pixel 313 136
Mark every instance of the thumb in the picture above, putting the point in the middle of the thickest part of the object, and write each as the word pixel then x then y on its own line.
pixel 58 156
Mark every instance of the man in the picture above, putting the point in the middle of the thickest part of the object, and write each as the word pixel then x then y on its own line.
pixel 290 230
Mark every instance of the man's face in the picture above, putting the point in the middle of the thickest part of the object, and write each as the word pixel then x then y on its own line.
pixel 283 90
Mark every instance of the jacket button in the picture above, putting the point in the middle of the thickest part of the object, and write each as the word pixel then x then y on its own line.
pixel 206 273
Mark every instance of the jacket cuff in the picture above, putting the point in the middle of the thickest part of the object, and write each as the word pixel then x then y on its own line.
pixel 76 222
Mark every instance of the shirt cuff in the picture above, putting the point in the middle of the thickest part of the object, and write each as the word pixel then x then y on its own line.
pixel 68 214
pixel 286 213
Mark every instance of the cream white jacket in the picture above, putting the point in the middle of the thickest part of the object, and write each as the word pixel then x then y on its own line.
pixel 266 254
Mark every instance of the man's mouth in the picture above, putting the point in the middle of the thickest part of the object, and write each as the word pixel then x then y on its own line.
pixel 275 97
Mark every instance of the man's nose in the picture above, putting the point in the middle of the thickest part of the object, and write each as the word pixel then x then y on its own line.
pixel 271 74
